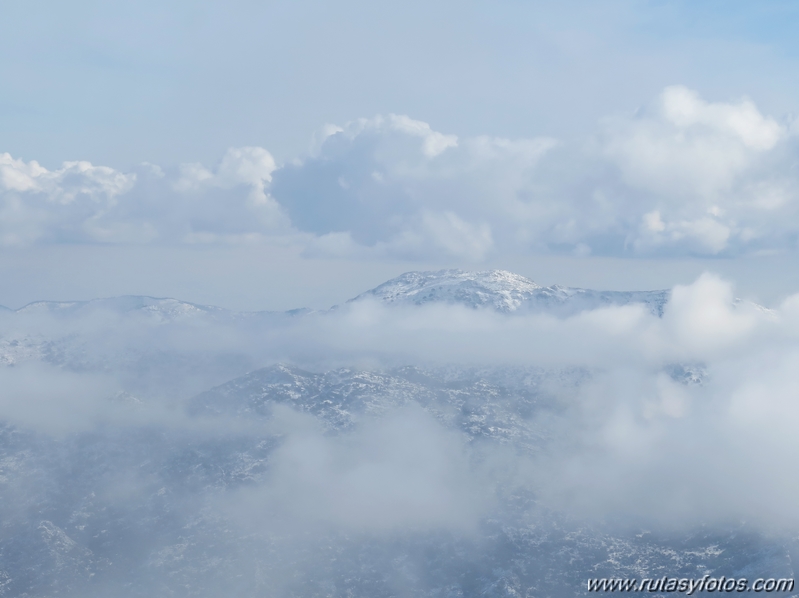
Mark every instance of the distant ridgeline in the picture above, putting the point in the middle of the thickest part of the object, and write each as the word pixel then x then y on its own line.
pixel 499 290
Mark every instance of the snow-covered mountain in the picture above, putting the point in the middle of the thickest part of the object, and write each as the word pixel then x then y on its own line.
pixel 503 291
pixel 165 309
pixel 166 492
pixel 483 403
pixel 499 290
pixel 136 511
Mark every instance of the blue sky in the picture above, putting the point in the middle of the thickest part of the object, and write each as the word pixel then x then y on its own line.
pixel 546 112
pixel 168 82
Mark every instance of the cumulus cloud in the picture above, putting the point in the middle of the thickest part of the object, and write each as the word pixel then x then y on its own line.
pixel 710 173
pixel 61 205
pixel 81 202
pixel 401 189
pixel 685 145
pixel 683 175
pixel 251 166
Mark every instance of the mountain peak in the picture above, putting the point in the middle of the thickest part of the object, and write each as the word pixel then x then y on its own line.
pixel 504 292
pixel 501 290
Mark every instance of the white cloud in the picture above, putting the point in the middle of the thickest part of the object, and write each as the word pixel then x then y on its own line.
pixel 710 171
pixel 403 190
pixel 86 203
pixel 64 185
pixel 685 145
pixel 52 400
pixel 684 108
pixel 456 236
pixel 64 204
pixel 716 174
pixel 372 479
pixel 682 176
pixel 703 317
pixel 433 142
pixel 239 166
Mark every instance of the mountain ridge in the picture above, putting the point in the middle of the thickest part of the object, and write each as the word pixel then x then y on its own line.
pixel 500 290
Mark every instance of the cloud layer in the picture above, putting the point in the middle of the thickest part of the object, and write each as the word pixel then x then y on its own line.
pixel 682 176
pixel 683 418
pixel 514 436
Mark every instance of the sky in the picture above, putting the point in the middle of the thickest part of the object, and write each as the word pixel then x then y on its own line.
pixel 270 155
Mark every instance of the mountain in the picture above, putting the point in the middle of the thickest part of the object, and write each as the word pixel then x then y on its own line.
pixel 88 340
pixel 504 292
pixel 498 289
pixel 161 308
pixel 134 511
pixel 182 483
pixel 482 403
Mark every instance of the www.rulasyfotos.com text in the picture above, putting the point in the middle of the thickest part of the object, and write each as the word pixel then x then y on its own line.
pixel 690 586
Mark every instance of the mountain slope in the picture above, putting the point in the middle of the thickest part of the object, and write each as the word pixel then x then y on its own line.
pixel 135 511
